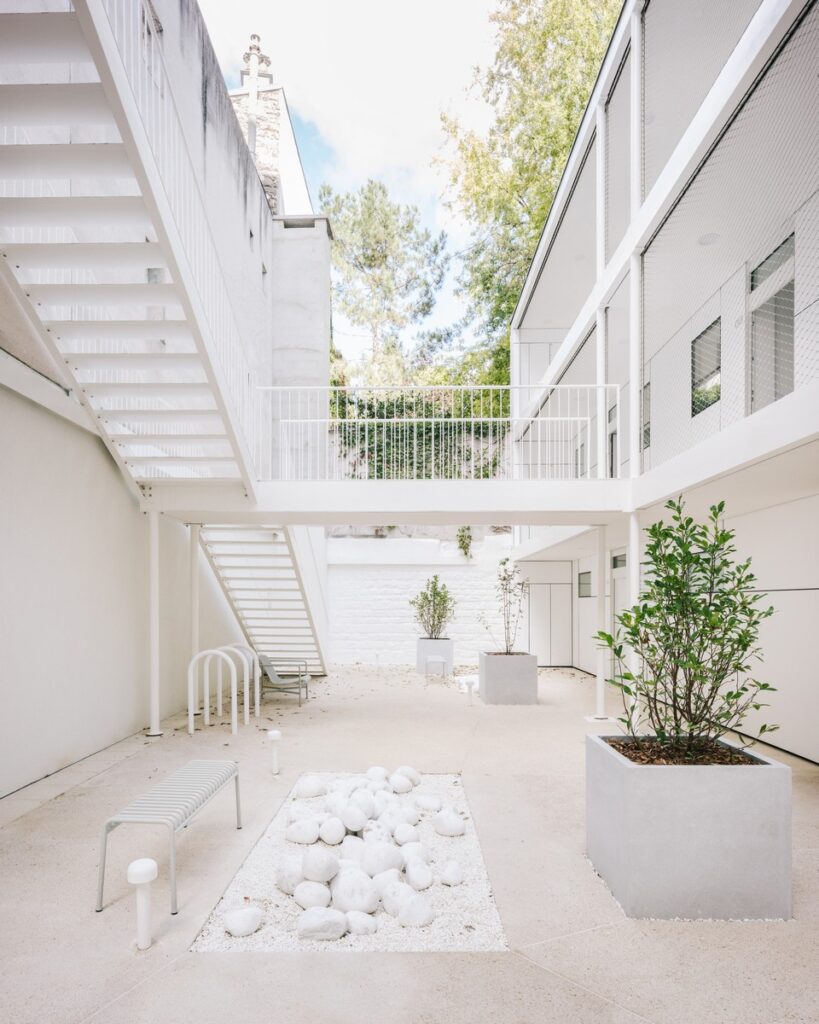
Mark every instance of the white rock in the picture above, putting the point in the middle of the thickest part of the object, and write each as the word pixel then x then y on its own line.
pixel 380 857
pixel 347 865
pixel 384 878
pixel 243 921
pixel 405 833
pixel 289 876
pixel 352 848
pixel 363 799
pixel 395 895
pixel 416 913
pixel 383 800
pixel 410 815
pixel 414 851
pixel 298 812
pixel 376 834
pixel 311 894
pixel 354 818
pixel 400 783
pixel 361 924
pixel 448 823
pixel 419 875
pixel 411 774
pixel 391 818
pixel 321 923
pixel 354 890
pixel 334 804
pixel 319 865
pixel 310 786
pixel 451 873
pixel 382 786
pixel 305 832
pixel 332 831
pixel 427 802
pixel 377 774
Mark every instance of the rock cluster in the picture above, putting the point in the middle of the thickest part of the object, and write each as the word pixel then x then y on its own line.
pixel 362 852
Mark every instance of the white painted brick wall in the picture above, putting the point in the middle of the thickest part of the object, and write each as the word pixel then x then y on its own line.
pixel 370 617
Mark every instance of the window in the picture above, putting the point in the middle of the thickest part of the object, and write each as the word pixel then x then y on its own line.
pixel 618 561
pixel 613 469
pixel 706 357
pixel 646 415
pixel 580 461
pixel 771 305
pixel 584 584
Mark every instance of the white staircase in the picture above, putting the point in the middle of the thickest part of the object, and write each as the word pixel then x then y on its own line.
pixel 107 245
pixel 261 576
pixel 95 248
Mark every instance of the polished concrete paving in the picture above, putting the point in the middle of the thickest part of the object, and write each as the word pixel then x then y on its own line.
pixel 573 956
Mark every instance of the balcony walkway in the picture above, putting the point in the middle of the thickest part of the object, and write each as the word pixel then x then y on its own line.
pixel 573 957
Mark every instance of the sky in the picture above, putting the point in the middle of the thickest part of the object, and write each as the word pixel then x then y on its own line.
pixel 366 82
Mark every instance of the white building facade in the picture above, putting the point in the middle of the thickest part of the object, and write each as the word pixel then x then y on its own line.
pixel 679 267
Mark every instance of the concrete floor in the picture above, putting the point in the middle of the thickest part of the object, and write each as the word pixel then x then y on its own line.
pixel 573 956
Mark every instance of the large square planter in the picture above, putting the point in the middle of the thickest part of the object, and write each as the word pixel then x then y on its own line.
pixel 690 841
pixel 507 678
pixel 427 648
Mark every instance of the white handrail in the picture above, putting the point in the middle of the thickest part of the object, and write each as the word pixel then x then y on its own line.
pixel 192 688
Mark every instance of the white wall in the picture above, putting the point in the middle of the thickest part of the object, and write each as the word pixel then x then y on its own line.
pixel 783 542
pixel 370 583
pixel 73 598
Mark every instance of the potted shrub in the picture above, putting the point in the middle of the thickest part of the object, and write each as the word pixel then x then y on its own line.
pixel 434 608
pixel 507 676
pixel 679 822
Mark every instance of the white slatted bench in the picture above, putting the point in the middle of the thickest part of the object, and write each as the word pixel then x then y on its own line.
pixel 173 803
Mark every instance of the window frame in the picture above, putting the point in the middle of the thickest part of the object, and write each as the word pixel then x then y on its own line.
pixel 710 381
pixel 583 579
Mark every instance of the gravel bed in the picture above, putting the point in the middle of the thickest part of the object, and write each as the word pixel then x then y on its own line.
pixel 466 918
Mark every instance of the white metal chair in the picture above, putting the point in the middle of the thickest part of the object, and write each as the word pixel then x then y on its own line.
pixel 284 675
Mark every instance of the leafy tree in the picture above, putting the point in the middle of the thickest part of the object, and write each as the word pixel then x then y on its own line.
pixel 695 634
pixel 387 268
pixel 547 58
pixel 433 608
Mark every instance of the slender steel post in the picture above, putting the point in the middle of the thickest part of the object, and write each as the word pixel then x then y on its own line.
pixel 600 689
pixel 194 587
pixel 153 621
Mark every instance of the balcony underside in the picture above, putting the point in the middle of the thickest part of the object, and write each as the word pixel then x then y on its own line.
pixel 385 502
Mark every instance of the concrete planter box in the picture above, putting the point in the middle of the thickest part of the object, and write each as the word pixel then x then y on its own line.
pixel 699 841
pixel 508 678
pixel 427 648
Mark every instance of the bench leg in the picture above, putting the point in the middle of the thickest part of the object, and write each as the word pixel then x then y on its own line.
pixel 103 850
pixel 172 865
pixel 238 803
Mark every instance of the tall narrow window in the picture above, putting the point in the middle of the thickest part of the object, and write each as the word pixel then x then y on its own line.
pixel 771 303
pixel 584 584
pixel 706 358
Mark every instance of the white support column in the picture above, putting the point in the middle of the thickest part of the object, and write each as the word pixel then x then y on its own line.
pixel 602 655
pixel 635 364
pixel 633 560
pixel 153 622
pixel 194 587
pixel 636 112
pixel 600 189
pixel 601 410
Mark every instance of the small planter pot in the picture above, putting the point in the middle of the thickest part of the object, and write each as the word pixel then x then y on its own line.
pixel 508 678
pixel 690 841
pixel 427 648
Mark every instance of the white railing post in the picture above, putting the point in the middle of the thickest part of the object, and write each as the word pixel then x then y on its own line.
pixel 153 623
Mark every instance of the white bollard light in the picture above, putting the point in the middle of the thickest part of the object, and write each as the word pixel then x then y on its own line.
pixel 140 874
pixel 273 737
pixel 470 682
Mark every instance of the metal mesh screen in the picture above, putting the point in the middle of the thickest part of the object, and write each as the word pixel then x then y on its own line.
pixel 731 279
pixel 681 61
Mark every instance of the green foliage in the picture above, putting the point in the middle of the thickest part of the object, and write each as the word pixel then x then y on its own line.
pixel 547 58
pixel 701 398
pixel 387 268
pixel 694 635
pixel 434 608
pixel 511 592
pixel 465 541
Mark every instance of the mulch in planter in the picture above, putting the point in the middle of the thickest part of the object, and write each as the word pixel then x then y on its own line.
pixel 648 750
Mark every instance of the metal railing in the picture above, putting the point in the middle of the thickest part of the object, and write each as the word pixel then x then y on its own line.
pixel 135 31
pixel 436 433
